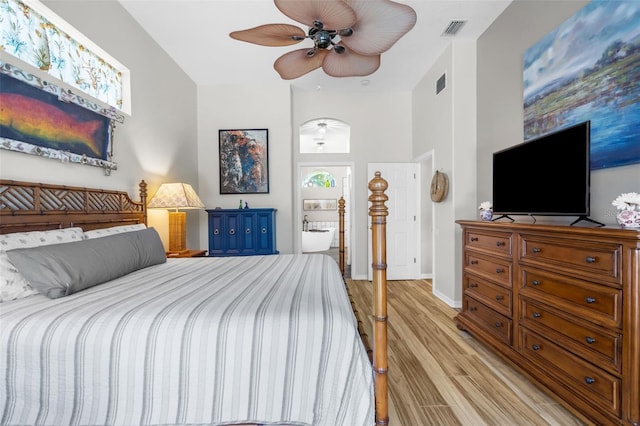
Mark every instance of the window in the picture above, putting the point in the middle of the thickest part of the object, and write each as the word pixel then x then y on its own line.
pixel 324 136
pixel 34 34
pixel 319 179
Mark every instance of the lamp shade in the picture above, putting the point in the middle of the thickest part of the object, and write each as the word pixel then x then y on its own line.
pixel 175 196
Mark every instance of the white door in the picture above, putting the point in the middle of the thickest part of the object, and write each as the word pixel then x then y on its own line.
pixel 403 230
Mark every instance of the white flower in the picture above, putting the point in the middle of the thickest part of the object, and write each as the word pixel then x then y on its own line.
pixel 627 201
pixel 485 205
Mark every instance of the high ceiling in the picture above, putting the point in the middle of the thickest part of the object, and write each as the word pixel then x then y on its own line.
pixel 195 33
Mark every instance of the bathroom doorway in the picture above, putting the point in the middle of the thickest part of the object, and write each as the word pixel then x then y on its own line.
pixel 319 187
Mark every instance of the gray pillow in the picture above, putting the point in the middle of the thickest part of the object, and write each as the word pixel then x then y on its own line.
pixel 62 269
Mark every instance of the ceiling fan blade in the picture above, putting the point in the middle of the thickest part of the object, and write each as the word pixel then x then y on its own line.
pixel 297 63
pixel 350 64
pixel 334 14
pixel 270 35
pixel 381 23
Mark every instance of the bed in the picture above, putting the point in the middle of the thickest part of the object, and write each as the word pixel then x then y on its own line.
pixel 134 338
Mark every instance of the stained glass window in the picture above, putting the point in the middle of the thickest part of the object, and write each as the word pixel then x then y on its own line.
pixel 319 179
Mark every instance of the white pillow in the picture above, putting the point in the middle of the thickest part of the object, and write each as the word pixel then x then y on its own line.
pixel 97 233
pixel 12 284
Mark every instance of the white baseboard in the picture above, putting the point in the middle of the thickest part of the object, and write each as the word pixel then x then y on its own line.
pixel 456 304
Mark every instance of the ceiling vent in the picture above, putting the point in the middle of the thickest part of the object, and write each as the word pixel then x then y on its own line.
pixel 453 28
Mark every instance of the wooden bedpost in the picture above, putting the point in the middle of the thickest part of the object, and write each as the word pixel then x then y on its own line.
pixel 143 198
pixel 341 211
pixel 378 212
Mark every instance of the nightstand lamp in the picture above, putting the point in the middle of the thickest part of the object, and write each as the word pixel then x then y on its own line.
pixel 176 196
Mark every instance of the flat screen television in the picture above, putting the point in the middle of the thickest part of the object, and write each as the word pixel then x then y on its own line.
pixel 547 176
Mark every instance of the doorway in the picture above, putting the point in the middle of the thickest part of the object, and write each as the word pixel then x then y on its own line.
pixel 317 204
pixel 403 227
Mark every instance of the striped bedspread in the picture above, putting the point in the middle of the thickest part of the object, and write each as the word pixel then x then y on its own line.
pixel 202 341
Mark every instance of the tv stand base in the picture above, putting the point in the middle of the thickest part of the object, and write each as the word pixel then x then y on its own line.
pixel 586 218
pixel 504 216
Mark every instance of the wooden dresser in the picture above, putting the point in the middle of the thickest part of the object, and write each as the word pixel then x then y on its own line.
pixel 563 304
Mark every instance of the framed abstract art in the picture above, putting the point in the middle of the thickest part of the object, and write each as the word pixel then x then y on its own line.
pixel 244 161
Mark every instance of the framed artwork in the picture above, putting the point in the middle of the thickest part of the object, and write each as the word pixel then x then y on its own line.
pixel 43 122
pixel 588 68
pixel 244 161
pixel 320 205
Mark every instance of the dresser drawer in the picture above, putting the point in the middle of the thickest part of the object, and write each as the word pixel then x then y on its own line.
pixel 495 296
pixel 598 346
pixel 491 268
pixel 490 320
pixel 592 384
pixel 598 303
pixel 586 259
pixel 492 242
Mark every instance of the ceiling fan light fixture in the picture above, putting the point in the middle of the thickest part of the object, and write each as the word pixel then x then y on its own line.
pixel 346 32
pixel 297 63
pixel 333 14
pixel 381 23
pixel 358 31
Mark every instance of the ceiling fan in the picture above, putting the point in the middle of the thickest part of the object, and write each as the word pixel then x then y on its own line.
pixel 348 35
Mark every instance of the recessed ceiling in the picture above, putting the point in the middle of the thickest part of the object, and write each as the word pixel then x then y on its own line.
pixel 195 33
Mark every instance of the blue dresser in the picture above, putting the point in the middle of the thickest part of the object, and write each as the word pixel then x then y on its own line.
pixel 242 232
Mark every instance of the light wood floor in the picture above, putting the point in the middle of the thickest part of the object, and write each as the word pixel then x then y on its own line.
pixel 439 375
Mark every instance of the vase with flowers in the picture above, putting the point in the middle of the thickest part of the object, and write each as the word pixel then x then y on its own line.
pixel 486 211
pixel 628 205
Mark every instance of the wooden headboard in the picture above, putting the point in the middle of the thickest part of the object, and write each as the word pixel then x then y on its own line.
pixel 28 206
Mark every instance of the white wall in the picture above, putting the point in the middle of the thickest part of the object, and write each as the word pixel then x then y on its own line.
pixel 380 132
pixel 157 142
pixel 247 107
pixel 444 125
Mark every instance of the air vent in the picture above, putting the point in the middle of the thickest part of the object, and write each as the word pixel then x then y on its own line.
pixel 441 83
pixel 453 28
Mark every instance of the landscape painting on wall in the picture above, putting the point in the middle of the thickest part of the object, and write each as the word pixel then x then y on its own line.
pixel 588 68
pixel 33 116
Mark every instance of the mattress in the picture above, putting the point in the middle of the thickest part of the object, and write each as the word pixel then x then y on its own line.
pixel 200 341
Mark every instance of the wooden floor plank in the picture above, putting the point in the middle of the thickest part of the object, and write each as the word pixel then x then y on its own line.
pixel 439 375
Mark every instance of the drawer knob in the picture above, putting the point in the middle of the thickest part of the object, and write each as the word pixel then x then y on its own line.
pixel 473 285
pixel 589 380
pixel 500 243
pixel 232 231
pixel 590 259
pixel 474 262
pixel 247 231
pixel 536 250
pixel 590 340
pixel 535 282
pixel 473 308
pixel 498 324
pixel 216 231
pixel 535 347
pixel 499 297
pixel 537 314
pixel 474 238
pixel 499 270
pixel 590 299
